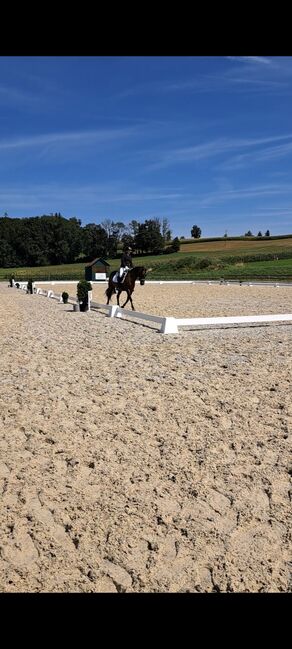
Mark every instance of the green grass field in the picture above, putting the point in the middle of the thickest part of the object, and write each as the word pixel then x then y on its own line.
pixel 231 259
pixel 237 247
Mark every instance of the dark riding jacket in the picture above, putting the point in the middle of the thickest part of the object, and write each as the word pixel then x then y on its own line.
pixel 126 260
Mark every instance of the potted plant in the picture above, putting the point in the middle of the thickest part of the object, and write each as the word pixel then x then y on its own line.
pixel 11 280
pixel 29 286
pixel 65 297
pixel 82 293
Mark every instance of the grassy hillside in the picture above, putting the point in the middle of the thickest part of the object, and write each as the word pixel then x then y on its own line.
pixel 235 258
pixel 239 246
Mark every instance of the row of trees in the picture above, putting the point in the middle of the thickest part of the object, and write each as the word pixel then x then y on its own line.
pixel 259 234
pixel 196 233
pixel 52 239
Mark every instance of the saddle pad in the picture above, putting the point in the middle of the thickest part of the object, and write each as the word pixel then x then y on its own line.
pixel 115 278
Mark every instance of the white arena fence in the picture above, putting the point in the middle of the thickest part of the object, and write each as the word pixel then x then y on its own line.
pixel 231 282
pixel 168 325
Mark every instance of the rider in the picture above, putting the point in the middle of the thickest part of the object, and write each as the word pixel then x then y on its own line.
pixel 126 264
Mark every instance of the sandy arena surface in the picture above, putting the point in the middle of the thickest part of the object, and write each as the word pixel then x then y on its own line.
pixel 136 462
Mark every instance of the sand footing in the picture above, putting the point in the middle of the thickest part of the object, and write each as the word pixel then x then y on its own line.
pixel 136 462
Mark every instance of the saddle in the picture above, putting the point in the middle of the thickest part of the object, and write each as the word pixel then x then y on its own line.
pixel 116 277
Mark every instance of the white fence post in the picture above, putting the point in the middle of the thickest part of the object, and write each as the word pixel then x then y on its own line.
pixel 112 313
pixel 169 326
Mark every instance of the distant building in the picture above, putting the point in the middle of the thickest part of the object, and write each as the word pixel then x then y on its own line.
pixel 96 270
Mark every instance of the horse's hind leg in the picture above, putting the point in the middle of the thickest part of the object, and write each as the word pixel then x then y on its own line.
pixel 109 293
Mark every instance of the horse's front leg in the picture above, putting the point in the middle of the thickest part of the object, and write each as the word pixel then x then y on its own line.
pixel 127 300
pixel 132 305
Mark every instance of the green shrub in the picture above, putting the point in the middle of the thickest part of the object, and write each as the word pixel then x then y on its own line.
pixel 82 293
pixel 82 289
pixel 29 286
pixel 65 297
pixel 204 263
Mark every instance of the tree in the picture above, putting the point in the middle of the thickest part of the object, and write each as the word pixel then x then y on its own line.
pixel 113 229
pixel 175 245
pixel 94 241
pixel 107 226
pixel 134 227
pixel 267 233
pixel 259 234
pixel 127 240
pixel 196 232
pixel 119 229
pixel 74 237
pixel 8 256
pixel 248 234
pixel 149 237
pixel 112 245
pixel 165 230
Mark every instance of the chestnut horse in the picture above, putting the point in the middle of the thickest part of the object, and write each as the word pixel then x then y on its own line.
pixel 128 285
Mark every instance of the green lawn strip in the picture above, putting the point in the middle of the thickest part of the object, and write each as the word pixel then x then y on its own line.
pixel 174 266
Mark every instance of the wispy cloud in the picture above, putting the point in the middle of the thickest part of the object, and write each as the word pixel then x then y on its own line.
pixel 264 155
pixel 79 137
pixel 247 193
pixel 256 74
pixel 17 97
pixel 92 202
pixel 262 60
pixel 43 197
pixel 218 147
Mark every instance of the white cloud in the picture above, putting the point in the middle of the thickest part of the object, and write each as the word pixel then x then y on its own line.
pixel 78 137
pixel 221 146
pixel 41 197
pixel 250 59
pixel 247 193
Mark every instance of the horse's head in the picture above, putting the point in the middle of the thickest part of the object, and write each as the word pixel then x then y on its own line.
pixel 142 274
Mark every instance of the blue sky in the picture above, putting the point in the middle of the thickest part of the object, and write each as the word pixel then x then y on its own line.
pixel 199 140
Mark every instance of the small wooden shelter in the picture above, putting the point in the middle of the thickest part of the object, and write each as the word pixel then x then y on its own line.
pixel 96 270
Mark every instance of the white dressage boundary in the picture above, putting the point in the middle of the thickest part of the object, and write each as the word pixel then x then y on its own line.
pixel 168 325
pixel 229 282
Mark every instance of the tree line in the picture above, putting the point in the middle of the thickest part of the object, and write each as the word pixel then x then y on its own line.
pixel 53 239
pixel 196 233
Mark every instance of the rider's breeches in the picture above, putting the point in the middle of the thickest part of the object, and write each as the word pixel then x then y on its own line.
pixel 122 270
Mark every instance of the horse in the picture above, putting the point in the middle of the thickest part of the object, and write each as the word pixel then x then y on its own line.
pixel 128 285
